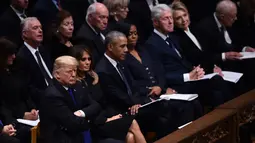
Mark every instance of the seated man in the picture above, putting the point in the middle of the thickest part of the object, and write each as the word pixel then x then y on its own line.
pixel 163 48
pixel 116 83
pixel 66 107
pixel 220 39
pixel 6 134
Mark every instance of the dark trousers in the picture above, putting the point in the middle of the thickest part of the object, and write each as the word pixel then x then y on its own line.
pixel 7 139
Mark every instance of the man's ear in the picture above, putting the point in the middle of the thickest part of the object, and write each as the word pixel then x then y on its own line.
pixel 155 22
pixel 110 47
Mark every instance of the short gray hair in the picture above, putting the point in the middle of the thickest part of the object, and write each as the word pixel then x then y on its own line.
pixel 113 4
pixel 224 6
pixel 157 10
pixel 63 61
pixel 25 23
pixel 111 36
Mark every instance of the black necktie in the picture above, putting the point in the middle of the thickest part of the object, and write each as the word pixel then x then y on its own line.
pixel 171 45
pixel 124 79
pixel 23 16
pixel 100 37
pixel 43 70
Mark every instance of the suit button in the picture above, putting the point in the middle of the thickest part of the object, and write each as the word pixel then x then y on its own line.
pixel 146 68
pixel 153 81
pixel 149 73
pixel 151 77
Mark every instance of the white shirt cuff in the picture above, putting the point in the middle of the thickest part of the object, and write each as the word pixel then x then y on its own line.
pixel 82 113
pixel 223 56
pixel 186 77
pixel 244 48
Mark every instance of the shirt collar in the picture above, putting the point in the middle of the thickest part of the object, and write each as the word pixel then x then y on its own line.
pixel 112 61
pixel 160 34
pixel 16 11
pixel 217 21
pixel 91 27
pixel 31 49
pixel 66 88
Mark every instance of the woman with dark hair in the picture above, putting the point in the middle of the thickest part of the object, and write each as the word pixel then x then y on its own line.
pixel 85 73
pixel 62 30
pixel 15 100
pixel 108 123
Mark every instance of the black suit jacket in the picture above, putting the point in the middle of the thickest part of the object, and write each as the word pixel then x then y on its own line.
pixel 58 122
pixel 193 53
pixel 26 66
pixel 115 89
pixel 10 26
pixel 213 41
pixel 174 66
pixel 85 35
pixel 145 74
pixel 14 96
pixel 45 11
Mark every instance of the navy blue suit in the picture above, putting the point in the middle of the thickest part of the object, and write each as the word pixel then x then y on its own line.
pixel 175 66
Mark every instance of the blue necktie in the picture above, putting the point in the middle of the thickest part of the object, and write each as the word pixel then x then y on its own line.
pixel 86 134
pixel 171 44
pixel 119 67
pixel 1 123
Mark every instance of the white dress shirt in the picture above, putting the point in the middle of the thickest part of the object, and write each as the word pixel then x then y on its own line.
pixel 185 75
pixel 33 50
pixel 193 39
pixel 150 3
pixel 19 14
pixel 113 62
pixel 226 36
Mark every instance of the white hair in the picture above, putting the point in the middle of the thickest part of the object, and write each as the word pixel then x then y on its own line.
pixel 91 9
pixel 225 6
pixel 157 10
pixel 25 23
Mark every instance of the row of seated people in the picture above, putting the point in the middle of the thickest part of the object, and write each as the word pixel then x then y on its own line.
pixel 142 80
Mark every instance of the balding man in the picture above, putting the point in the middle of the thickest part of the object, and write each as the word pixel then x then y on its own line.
pixel 219 39
pixel 91 31
pixel 66 106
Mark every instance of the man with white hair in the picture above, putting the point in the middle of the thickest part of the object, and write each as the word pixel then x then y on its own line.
pixel 164 48
pixel 222 41
pixel 66 106
pixel 91 32
pixel 32 60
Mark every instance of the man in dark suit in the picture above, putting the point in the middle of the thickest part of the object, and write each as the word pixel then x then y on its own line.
pixel 7 133
pixel 66 106
pixel 179 73
pixel 219 39
pixel 90 33
pixel 32 60
pixel 46 11
pixel 116 84
pixel 10 21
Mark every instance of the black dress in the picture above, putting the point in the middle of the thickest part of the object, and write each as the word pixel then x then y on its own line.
pixel 116 129
pixel 57 49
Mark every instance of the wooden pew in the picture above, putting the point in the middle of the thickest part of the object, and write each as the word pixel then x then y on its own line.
pixel 245 106
pixel 219 125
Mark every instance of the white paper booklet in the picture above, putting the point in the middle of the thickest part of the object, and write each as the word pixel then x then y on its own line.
pixel 185 97
pixel 231 76
pixel 29 122
pixel 247 55
pixel 207 76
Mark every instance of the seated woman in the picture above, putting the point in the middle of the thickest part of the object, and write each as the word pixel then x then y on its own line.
pixel 189 43
pixel 118 11
pixel 108 123
pixel 61 34
pixel 15 100
pixel 148 77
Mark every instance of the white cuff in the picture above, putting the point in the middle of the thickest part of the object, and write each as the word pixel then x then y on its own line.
pixel 82 113
pixel 186 77
pixel 244 48
pixel 223 56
